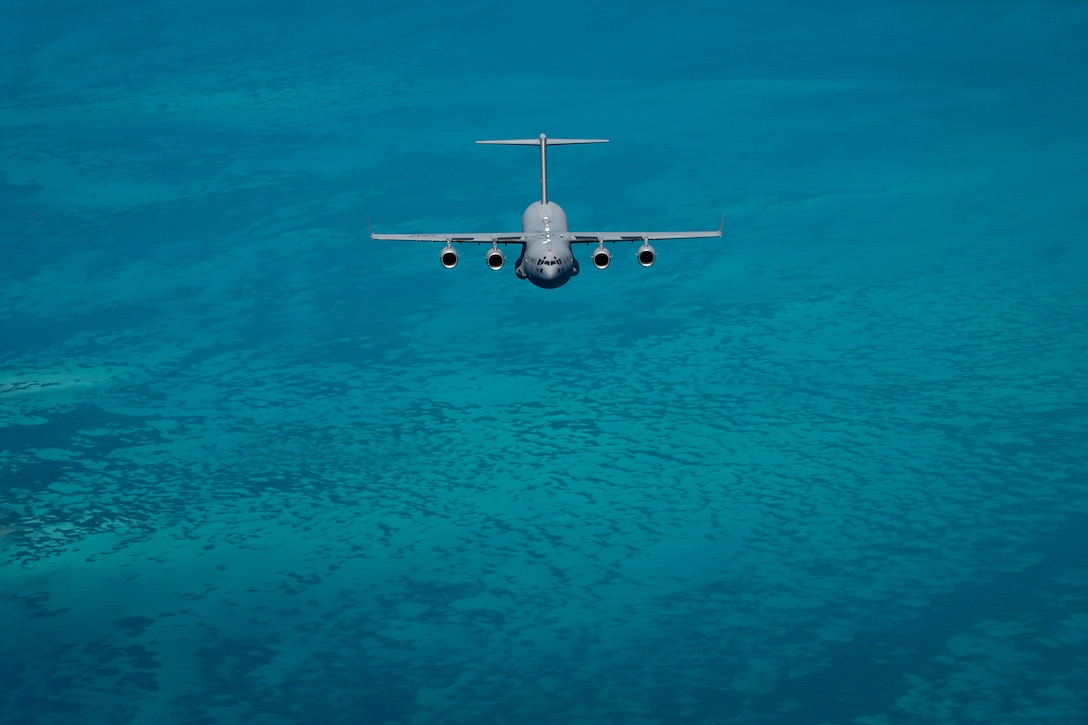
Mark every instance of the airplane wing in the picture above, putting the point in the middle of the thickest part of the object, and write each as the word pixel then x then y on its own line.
pixel 467 238
pixel 590 237
pixel 470 238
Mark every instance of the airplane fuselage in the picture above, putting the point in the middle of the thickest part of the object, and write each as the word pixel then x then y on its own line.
pixel 546 259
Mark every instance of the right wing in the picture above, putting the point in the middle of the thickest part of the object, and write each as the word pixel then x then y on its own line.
pixel 468 238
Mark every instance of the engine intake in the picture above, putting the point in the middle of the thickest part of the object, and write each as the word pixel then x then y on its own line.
pixel 495 258
pixel 646 255
pixel 448 257
pixel 601 257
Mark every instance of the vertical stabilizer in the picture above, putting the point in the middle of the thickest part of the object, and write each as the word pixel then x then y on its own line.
pixel 544 142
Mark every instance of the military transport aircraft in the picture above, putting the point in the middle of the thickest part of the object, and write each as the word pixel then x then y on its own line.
pixel 546 259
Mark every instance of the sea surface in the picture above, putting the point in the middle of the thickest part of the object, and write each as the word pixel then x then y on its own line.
pixel 258 468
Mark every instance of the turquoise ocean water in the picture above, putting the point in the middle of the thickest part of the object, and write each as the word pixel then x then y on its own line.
pixel 256 468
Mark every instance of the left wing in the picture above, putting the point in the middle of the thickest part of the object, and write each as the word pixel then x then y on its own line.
pixel 590 237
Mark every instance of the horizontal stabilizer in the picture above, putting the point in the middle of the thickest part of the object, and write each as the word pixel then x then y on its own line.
pixel 547 141
pixel 543 142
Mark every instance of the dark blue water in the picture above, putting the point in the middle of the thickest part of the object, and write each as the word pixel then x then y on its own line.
pixel 257 468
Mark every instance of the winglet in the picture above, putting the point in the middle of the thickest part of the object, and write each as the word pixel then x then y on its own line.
pixel 368 227
pixel 721 226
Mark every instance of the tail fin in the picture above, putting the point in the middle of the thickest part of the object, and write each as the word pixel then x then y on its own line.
pixel 544 142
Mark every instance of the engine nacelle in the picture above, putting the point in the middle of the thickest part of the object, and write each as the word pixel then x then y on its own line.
pixel 601 258
pixel 448 257
pixel 495 258
pixel 646 255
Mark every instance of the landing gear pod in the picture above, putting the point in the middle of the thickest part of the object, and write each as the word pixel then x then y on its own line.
pixel 646 255
pixel 448 256
pixel 601 257
pixel 495 258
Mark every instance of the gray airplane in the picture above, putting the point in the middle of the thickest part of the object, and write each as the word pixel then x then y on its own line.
pixel 546 259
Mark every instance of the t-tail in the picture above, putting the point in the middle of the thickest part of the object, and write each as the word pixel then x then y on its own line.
pixel 544 142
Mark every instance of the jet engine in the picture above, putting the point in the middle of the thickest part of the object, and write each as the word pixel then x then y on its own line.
pixel 646 255
pixel 495 258
pixel 601 257
pixel 448 256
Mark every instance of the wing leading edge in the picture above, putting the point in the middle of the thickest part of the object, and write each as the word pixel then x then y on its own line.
pixel 476 238
pixel 466 238
pixel 520 237
pixel 590 237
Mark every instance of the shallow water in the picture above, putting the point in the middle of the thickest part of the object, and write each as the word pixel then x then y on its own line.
pixel 829 469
